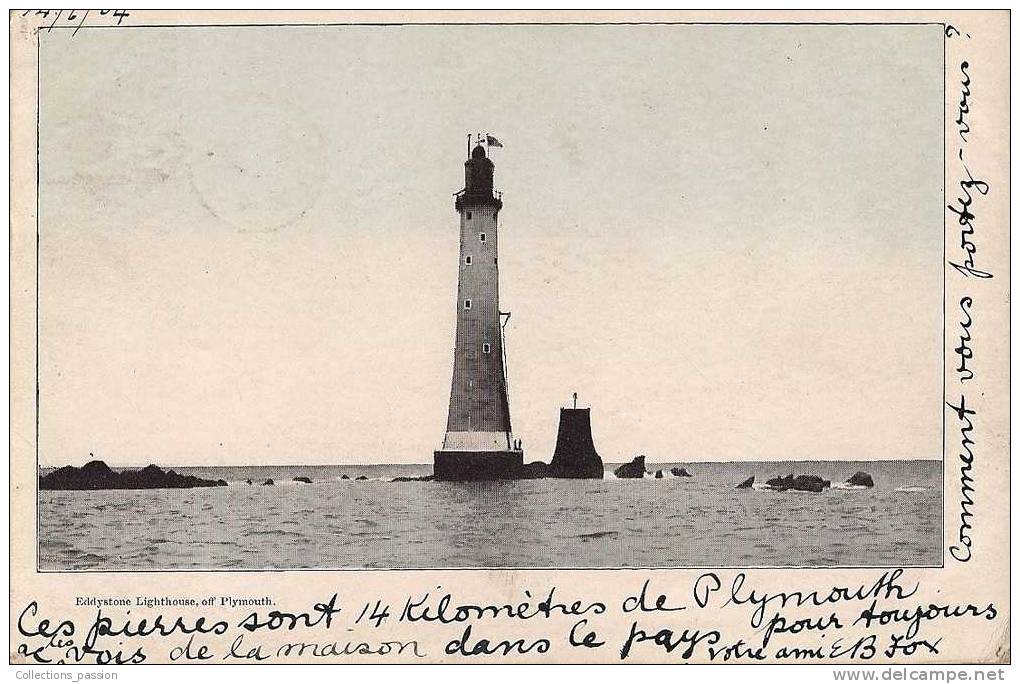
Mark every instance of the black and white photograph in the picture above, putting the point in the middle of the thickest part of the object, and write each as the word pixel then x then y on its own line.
pixel 490 296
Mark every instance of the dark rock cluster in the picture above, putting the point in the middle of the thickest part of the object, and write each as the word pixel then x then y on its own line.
pixel 861 479
pixel 800 483
pixel 98 475
pixel 536 470
pixel 302 478
pixel 632 470
pixel 636 469
pixel 808 483
pixel 676 472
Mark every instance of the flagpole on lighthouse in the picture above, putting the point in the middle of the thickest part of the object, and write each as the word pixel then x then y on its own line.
pixel 491 142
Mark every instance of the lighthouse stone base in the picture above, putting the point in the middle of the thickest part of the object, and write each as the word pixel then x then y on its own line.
pixel 463 466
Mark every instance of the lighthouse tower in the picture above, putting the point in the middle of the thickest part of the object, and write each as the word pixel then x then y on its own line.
pixel 479 444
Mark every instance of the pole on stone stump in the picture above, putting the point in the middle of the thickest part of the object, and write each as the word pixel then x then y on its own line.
pixel 575 399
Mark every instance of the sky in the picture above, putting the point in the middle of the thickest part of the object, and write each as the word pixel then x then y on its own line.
pixel 726 239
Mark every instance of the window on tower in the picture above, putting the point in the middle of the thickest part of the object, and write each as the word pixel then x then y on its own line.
pixel 467 260
pixel 467 303
pixel 481 237
pixel 485 348
pixel 469 216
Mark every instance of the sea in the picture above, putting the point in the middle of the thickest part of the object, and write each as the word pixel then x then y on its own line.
pixel 336 523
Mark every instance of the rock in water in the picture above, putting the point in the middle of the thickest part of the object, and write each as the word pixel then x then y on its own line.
pixel 268 482
pixel 801 483
pixel 861 479
pixel 361 477
pixel 345 477
pixel 680 472
pixel 746 484
pixel 810 483
pixel 302 478
pixel 409 478
pixel 658 474
pixel 575 455
pixel 249 481
pixel 98 475
pixel 536 470
pixel 92 475
pixel 632 470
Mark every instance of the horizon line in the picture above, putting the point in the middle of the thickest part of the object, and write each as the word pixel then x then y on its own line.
pixel 344 465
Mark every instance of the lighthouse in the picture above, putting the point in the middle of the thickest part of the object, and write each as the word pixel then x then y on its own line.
pixel 479 443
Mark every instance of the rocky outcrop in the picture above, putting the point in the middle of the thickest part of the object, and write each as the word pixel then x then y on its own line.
pixel 861 479
pixel 680 472
pixel 536 470
pixel 98 475
pixel 575 456
pixel 361 477
pixel 800 483
pixel 408 478
pixel 302 478
pixel 268 483
pixel 632 470
pixel 746 484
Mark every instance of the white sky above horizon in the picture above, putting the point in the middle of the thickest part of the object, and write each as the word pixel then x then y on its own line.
pixel 726 239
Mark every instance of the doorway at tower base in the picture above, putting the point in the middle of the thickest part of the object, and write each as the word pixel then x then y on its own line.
pixel 464 466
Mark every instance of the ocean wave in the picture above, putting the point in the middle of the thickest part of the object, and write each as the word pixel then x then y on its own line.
pixel 666 475
pixel 598 535
pixel 843 486
pixel 271 533
pixel 666 524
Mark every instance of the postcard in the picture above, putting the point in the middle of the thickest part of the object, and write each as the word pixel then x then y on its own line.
pixel 516 337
